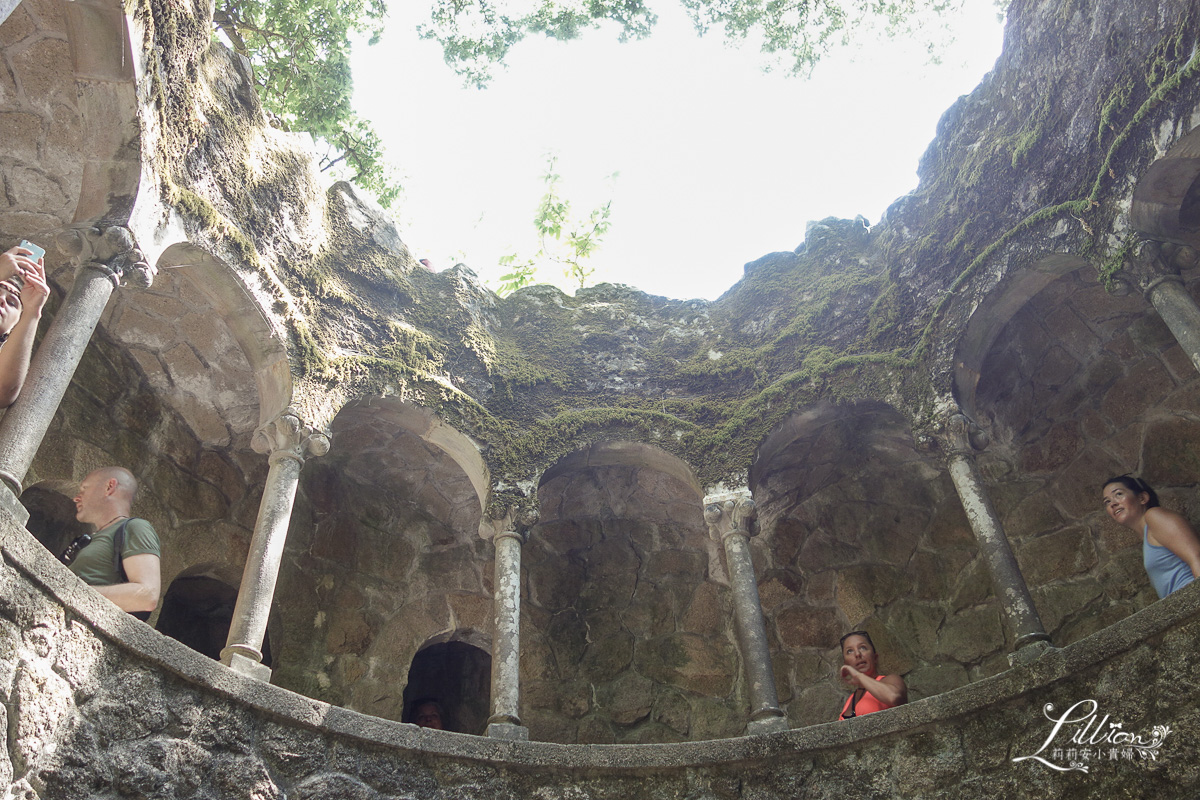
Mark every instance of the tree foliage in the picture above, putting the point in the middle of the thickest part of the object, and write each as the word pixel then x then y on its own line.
pixel 563 240
pixel 300 51
pixel 476 34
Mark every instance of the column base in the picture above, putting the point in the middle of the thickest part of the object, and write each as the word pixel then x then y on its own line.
pixel 244 665
pixel 768 725
pixel 1030 651
pixel 507 730
pixel 10 503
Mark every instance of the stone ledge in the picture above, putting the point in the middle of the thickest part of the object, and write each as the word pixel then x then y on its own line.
pixel 44 572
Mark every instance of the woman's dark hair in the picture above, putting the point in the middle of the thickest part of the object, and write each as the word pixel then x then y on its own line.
pixel 864 634
pixel 1136 485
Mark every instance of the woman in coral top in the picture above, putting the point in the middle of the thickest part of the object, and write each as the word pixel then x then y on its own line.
pixel 872 692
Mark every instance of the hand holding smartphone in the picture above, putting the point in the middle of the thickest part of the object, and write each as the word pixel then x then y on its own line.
pixel 38 252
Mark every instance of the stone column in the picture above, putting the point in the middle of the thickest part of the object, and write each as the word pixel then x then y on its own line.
pixel 1154 271
pixel 286 441
pixel 505 721
pixel 104 258
pixel 1020 614
pixel 728 517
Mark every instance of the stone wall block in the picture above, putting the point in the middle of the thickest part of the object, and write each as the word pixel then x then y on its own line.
pixel 626 700
pixel 816 704
pixel 653 609
pixel 806 626
pixel 934 573
pixel 972 586
pixel 1171 452
pixel 928 680
pixel 567 634
pixel 16 27
pixel 862 589
pixel 1057 555
pixel 1179 365
pixel 971 634
pixel 1066 328
pixel 779 588
pixel 928 762
pixel 21 133
pixel 1151 334
pixel 689 662
pixel 595 730
pixel 705 614
pixel 1077 486
pixel 607 657
pixel 1065 600
pixel 672 709
pixel 1144 386
pixel 1053 450
pixel 555 585
pixel 949 526
pixel 1057 367
pixel 913 626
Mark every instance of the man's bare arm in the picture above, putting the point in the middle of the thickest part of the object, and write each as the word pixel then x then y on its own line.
pixel 145 582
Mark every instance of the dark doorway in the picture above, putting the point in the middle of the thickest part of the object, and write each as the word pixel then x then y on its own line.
pixel 197 610
pixel 52 518
pixel 458 676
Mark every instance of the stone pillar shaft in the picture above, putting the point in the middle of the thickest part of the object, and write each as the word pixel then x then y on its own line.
pixel 53 366
pixel 1020 613
pixel 505 721
pixel 729 520
pixel 752 633
pixel 287 440
pixel 249 624
pixel 1179 311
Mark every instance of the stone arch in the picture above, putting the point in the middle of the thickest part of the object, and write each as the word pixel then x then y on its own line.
pixel 70 75
pixel 860 528
pixel 386 553
pixel 625 637
pixel 455 669
pixel 52 514
pixel 1076 385
pixel 1166 201
pixel 197 608
pixel 990 316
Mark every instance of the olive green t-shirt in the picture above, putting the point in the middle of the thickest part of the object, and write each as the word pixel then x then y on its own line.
pixel 94 564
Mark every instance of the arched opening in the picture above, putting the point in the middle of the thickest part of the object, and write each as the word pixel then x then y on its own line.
pixel 458 676
pixel 630 637
pixel 1077 386
pixel 862 530
pixel 384 555
pixel 51 518
pixel 197 610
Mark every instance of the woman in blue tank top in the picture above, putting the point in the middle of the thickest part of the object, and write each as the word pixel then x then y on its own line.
pixel 1170 548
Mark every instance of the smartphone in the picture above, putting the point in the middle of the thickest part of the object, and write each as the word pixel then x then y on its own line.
pixel 38 252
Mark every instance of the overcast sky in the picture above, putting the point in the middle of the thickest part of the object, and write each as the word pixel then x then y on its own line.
pixel 719 163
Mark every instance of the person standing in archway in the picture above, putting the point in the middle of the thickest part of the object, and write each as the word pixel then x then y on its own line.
pixel 121 561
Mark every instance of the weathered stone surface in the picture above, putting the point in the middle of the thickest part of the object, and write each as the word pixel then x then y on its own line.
pixel 804 626
pixel 1057 555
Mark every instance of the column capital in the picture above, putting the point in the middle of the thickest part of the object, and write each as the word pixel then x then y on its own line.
pixel 510 516
pixel 287 436
pixel 1152 263
pixel 730 513
pixel 112 251
pixel 959 435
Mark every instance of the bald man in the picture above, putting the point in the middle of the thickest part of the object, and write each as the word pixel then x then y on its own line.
pixel 104 500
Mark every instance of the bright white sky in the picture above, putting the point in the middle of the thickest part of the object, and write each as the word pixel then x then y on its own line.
pixel 719 163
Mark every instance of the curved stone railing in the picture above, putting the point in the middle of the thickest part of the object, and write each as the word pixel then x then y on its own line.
pixel 102 703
